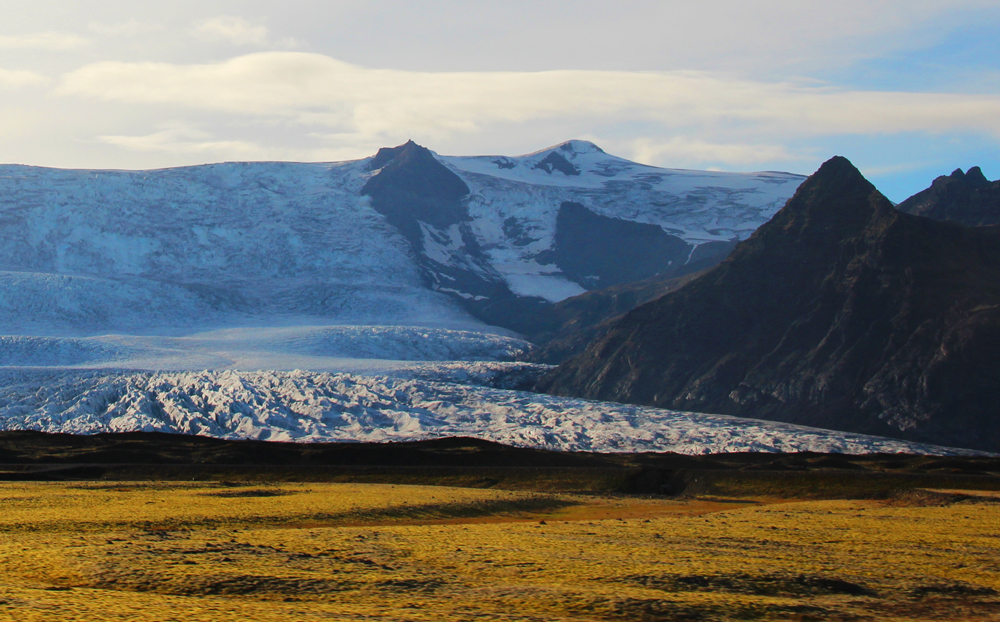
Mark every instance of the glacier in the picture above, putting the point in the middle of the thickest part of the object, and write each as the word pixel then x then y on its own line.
pixel 270 301
pixel 309 406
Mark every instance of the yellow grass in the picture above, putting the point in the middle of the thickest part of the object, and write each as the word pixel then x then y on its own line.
pixel 191 552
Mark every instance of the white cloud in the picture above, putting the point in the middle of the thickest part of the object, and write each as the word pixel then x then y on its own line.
pixel 179 139
pixel 319 90
pixel 14 79
pixel 235 30
pixel 56 41
pixel 130 28
pixel 686 151
pixel 186 140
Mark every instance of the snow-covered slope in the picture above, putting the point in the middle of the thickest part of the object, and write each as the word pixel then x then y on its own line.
pixel 93 251
pixel 515 202
pixel 345 407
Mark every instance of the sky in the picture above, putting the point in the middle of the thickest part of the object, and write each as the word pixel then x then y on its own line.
pixel 907 90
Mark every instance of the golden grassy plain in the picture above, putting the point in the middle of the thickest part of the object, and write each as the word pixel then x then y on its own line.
pixel 193 552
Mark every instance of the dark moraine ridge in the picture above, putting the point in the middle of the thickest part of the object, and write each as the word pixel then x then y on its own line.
pixel 151 456
pixel 841 313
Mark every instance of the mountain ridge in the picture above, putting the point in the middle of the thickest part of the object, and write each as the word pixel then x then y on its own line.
pixel 828 315
pixel 92 251
pixel 968 198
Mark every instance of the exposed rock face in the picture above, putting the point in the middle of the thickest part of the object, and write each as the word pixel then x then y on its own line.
pixel 602 251
pixel 840 312
pixel 576 322
pixel 428 204
pixel 412 186
pixel 555 162
pixel 968 198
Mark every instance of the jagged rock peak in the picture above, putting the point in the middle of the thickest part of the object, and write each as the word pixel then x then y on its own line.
pixel 973 177
pixel 968 198
pixel 388 154
pixel 835 196
pixel 975 174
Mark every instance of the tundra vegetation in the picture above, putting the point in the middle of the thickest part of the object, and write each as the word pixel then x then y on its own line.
pixel 346 551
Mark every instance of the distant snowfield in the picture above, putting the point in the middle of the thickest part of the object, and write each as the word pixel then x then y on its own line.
pixel 318 348
pixel 271 301
pixel 310 406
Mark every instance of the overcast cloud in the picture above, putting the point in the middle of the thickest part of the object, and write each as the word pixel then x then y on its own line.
pixel 907 90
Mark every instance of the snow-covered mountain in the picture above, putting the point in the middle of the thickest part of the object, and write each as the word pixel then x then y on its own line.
pixel 86 252
pixel 360 300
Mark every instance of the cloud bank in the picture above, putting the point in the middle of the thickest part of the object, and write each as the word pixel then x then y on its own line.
pixel 372 105
pixel 53 41
pixel 234 30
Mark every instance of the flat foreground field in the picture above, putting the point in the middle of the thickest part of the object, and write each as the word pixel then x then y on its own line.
pixel 226 551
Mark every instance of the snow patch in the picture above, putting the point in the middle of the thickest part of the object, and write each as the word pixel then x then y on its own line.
pixel 551 288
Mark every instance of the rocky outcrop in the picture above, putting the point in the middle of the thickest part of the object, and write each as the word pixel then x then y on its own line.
pixel 555 162
pixel 968 198
pixel 841 312
pixel 598 251
pixel 411 186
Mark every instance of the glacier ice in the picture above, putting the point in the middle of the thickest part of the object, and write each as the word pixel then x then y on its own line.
pixel 310 406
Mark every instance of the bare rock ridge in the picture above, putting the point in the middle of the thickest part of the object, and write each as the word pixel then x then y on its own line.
pixel 428 204
pixel 968 198
pixel 840 312
pixel 576 322
pixel 412 186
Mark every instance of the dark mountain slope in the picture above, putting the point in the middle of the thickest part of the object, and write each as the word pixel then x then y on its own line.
pixel 840 312
pixel 413 186
pixel 595 250
pixel 576 322
pixel 968 198
pixel 428 204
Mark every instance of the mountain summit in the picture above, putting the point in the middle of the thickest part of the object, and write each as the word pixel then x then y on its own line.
pixel 840 312
pixel 968 198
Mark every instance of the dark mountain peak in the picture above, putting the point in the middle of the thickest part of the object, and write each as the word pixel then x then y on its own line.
pixel 975 176
pixel 968 198
pixel 834 201
pixel 411 152
pixel 838 175
pixel 837 164
pixel 971 179
pixel 412 185
pixel 387 154
pixel 838 313
pixel 575 146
